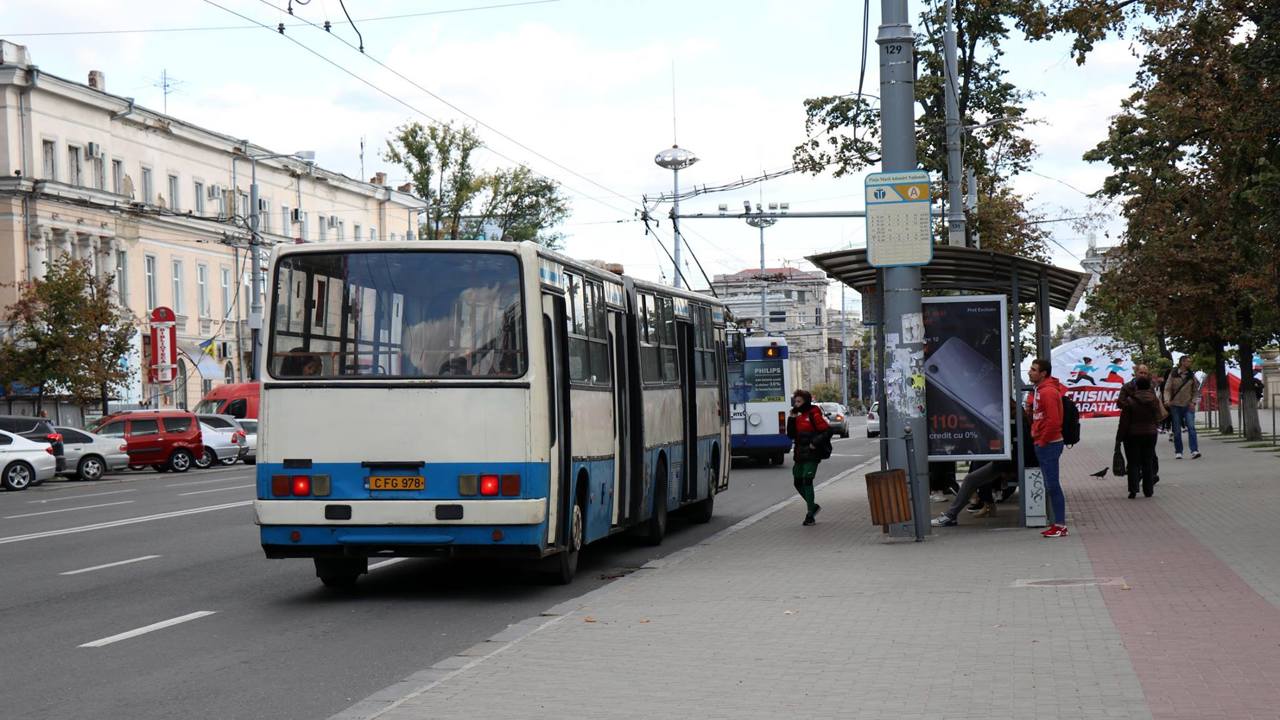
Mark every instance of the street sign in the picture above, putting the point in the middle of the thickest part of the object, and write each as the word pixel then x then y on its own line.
pixel 164 345
pixel 899 231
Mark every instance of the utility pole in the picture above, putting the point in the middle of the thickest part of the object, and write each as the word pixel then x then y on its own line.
pixel 955 164
pixel 760 221
pixel 255 261
pixel 902 319
pixel 844 354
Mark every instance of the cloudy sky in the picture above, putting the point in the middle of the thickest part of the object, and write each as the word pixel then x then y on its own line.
pixel 580 90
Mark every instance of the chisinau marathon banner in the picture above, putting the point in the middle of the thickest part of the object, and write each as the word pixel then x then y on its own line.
pixel 1094 374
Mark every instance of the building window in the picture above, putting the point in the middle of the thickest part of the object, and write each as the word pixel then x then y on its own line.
pixel 226 293
pixel 243 208
pixel 305 233
pixel 198 187
pixel 285 221
pixel 817 316
pixel 202 289
pixel 373 233
pixel 75 174
pixel 150 263
pixel 342 230
pixel 800 296
pixel 356 232
pixel 324 231
pixel 147 186
pixel 100 172
pixel 173 192
pixel 122 276
pixel 50 159
pixel 117 176
pixel 177 287
pixel 264 216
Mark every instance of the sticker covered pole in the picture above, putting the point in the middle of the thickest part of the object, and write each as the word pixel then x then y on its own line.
pixel 903 320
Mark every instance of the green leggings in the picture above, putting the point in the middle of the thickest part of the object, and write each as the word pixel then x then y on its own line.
pixel 803 474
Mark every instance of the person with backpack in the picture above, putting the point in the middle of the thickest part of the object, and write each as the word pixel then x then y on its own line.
pixel 807 426
pixel 1045 404
pixel 1180 393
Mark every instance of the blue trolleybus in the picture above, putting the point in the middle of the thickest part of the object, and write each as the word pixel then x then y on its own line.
pixel 759 397
pixel 478 398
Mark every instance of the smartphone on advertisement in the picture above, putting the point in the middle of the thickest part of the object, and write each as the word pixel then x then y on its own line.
pixel 970 379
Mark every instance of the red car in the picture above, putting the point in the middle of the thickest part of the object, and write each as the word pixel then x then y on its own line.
pixel 164 439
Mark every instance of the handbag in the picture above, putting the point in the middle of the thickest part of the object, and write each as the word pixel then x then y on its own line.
pixel 1117 460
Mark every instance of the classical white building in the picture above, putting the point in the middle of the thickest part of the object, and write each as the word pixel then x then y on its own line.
pixel 163 205
pixel 795 305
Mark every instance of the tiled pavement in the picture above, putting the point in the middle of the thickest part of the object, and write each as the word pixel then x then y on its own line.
pixel 836 620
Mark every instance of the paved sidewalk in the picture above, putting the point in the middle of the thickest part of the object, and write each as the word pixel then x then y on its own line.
pixel 1153 608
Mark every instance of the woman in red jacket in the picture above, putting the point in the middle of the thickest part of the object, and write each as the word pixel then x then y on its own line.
pixel 806 426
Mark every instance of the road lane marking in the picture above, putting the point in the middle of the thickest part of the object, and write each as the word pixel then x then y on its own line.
pixel 149 628
pixel 109 565
pixel 385 563
pixel 82 507
pixel 201 492
pixel 119 523
pixel 202 482
pixel 80 497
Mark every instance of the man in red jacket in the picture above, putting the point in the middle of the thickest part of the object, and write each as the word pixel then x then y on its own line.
pixel 1045 405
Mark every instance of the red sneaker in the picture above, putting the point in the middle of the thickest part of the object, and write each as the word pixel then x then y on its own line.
pixel 1045 532
pixel 1057 531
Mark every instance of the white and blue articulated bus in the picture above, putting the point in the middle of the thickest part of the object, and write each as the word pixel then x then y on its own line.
pixel 480 398
pixel 759 397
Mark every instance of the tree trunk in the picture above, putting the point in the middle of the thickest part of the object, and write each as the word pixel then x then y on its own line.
pixel 1225 426
pixel 105 409
pixel 1250 425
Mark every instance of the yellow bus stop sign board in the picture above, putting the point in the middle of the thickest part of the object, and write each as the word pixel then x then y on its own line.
pixel 899 231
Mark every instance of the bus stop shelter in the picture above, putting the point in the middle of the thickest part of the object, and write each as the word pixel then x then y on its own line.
pixel 969 271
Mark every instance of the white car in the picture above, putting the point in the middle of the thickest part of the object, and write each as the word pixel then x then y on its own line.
pixel 91 456
pixel 221 444
pixel 24 462
pixel 250 428
pixel 873 420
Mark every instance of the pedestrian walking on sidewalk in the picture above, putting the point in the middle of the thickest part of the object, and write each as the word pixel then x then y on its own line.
pixel 1180 393
pixel 1140 416
pixel 808 428
pixel 1044 403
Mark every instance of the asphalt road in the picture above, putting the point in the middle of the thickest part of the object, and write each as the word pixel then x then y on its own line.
pixel 85 567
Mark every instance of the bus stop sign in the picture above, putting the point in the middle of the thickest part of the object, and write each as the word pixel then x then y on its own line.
pixel 899 231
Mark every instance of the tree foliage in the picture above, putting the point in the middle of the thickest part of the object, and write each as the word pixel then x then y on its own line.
pixel 67 335
pixel 1194 154
pixel 512 204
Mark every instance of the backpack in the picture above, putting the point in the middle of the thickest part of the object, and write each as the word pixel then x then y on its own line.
pixel 1070 421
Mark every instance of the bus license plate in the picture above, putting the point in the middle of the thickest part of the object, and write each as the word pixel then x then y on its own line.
pixel 397 482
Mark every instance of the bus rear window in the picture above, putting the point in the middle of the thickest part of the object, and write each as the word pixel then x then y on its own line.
pixel 397 314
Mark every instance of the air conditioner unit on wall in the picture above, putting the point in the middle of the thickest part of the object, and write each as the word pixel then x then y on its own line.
pixel 92 150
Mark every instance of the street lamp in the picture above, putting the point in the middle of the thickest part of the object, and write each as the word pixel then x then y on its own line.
pixel 761 222
pixel 675 159
pixel 255 295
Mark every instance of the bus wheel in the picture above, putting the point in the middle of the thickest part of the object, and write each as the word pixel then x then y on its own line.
pixel 702 511
pixel 340 572
pixel 566 561
pixel 657 527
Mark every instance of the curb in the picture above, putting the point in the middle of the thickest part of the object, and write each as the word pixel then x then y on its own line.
pixel 424 681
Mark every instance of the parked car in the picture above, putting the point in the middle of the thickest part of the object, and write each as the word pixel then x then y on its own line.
pixel 836 417
pixel 239 400
pixel 37 429
pixel 222 443
pixel 164 439
pixel 873 420
pixel 250 428
pixel 90 456
pixel 24 462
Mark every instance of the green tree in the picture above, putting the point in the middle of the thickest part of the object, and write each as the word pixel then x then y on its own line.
pixel 466 202
pixel 521 206
pixel 826 392
pixel 67 335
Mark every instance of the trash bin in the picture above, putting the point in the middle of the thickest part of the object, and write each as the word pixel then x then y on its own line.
pixel 889 499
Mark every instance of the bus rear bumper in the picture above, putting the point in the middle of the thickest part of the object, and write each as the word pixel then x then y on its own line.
pixel 345 513
pixel 759 445
pixel 302 541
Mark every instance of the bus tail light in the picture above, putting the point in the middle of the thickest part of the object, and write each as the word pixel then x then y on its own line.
pixel 301 485
pixel 489 485
pixel 281 485
pixel 468 485
pixel 321 485
pixel 510 485
pixel 782 422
